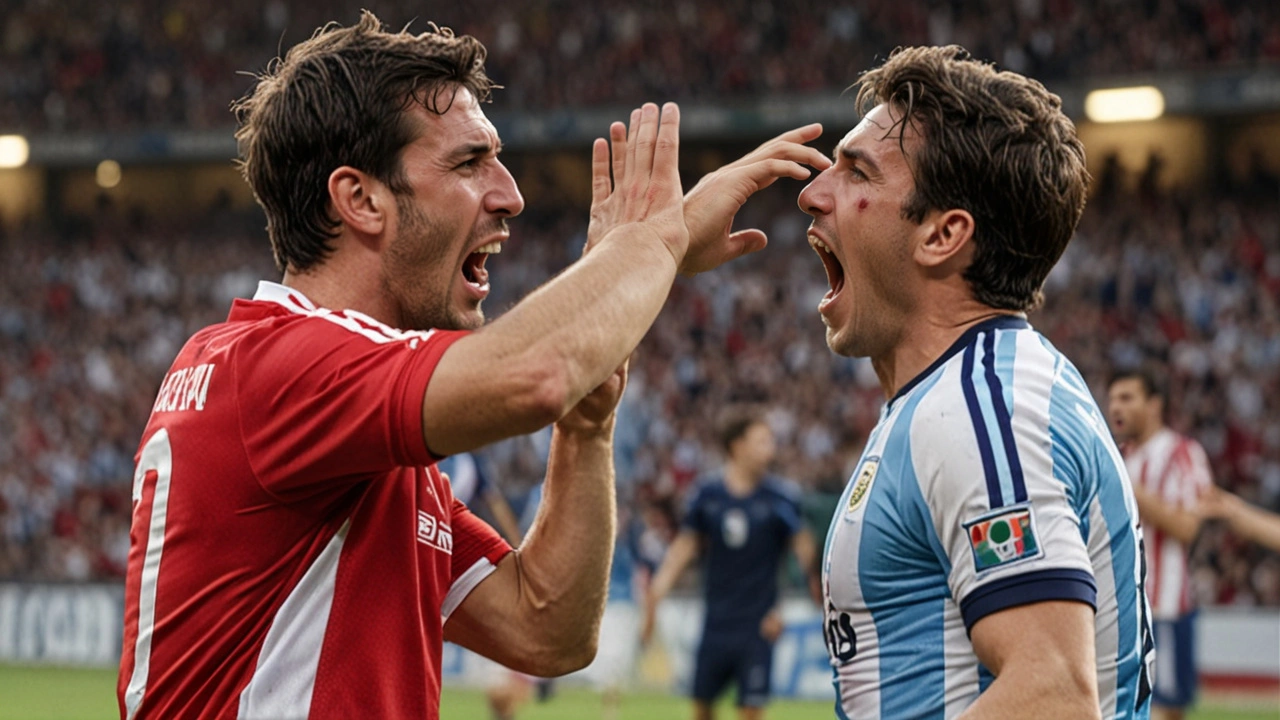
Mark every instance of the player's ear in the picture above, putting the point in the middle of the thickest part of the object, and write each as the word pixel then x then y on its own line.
pixel 947 240
pixel 359 201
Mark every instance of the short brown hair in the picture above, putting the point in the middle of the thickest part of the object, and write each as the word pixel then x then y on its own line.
pixel 996 144
pixel 734 424
pixel 1152 380
pixel 339 99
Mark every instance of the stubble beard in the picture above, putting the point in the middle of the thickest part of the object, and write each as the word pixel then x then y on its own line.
pixel 418 252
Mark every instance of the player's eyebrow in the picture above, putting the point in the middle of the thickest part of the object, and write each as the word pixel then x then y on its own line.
pixel 856 155
pixel 474 149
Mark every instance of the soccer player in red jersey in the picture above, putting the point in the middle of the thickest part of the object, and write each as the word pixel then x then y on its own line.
pixel 1170 472
pixel 295 553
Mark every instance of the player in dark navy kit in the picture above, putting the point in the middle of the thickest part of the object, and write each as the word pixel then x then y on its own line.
pixel 742 523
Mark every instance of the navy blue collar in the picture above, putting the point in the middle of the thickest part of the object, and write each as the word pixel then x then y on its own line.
pixel 999 322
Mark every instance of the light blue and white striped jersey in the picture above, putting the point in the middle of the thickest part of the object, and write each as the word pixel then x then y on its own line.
pixel 990 481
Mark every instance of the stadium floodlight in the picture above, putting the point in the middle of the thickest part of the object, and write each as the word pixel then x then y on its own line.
pixel 14 151
pixel 1124 104
pixel 108 174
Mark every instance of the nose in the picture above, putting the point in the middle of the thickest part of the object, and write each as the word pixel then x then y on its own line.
pixel 504 198
pixel 815 199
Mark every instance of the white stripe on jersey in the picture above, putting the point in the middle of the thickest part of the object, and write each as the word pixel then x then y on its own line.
pixel 1107 620
pixel 463 586
pixel 156 455
pixel 1172 577
pixel 357 322
pixel 285 676
pixel 961 675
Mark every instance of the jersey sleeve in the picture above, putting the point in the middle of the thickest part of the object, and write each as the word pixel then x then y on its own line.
pixel 477 550
pixel 324 401
pixel 786 507
pixel 695 516
pixel 1006 528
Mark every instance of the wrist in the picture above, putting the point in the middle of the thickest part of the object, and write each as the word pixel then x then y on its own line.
pixel 669 250
pixel 577 429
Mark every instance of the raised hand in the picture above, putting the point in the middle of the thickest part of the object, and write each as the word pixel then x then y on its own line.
pixel 711 205
pixel 646 180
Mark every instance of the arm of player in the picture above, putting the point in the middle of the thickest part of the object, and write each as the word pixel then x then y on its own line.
pixel 1252 523
pixel 682 551
pixel 1042 655
pixel 539 611
pixel 805 549
pixel 1180 524
pixel 531 365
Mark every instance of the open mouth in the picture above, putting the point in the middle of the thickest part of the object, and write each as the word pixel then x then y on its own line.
pixel 473 270
pixel 835 272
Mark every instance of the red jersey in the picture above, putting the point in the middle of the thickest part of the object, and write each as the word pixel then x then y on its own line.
pixel 294 551
pixel 1175 468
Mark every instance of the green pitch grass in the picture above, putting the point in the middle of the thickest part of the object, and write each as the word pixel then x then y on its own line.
pixel 41 693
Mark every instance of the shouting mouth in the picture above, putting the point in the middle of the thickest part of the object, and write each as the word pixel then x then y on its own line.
pixel 473 270
pixel 835 272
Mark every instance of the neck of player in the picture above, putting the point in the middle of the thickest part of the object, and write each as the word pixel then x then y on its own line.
pixel 740 479
pixel 925 339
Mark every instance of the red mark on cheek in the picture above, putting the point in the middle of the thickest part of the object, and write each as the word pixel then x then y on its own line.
pixel 862 204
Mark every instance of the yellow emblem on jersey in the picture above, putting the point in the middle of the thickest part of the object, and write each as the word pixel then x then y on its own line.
pixel 862 486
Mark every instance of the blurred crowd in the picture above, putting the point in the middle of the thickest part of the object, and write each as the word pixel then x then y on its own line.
pixel 90 320
pixel 81 65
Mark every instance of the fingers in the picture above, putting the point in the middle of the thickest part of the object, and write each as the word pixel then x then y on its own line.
pixel 667 152
pixel 803 134
pixel 766 171
pixel 633 137
pixel 618 137
pixel 641 163
pixel 793 152
pixel 600 185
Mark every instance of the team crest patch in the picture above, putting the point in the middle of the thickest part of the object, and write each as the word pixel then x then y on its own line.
pixel 1003 537
pixel 862 485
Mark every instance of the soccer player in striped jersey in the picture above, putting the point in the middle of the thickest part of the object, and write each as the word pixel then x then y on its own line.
pixel 294 550
pixel 1170 472
pixel 985 559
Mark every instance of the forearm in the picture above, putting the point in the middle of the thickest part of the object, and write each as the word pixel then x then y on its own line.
pixel 1036 692
pixel 591 317
pixel 1183 526
pixel 566 557
pixel 1255 524
pixel 679 555
pixel 532 365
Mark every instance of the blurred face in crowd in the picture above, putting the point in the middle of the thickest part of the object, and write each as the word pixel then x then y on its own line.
pixel 864 241
pixel 452 219
pixel 754 450
pixel 1134 414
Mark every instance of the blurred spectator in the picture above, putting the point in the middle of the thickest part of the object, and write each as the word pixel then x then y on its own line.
pixel 81 65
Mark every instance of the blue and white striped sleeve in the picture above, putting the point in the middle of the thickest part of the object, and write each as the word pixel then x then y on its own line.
pixel 982 453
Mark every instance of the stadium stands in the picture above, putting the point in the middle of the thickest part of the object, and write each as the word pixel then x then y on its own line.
pixel 146 64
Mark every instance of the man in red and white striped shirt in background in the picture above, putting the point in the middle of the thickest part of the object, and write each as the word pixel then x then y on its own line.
pixel 1169 472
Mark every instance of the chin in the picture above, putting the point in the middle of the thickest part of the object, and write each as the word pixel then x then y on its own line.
pixel 841 344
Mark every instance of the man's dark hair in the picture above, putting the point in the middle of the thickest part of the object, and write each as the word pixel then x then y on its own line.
pixel 339 99
pixel 1151 380
pixel 996 144
pixel 734 423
